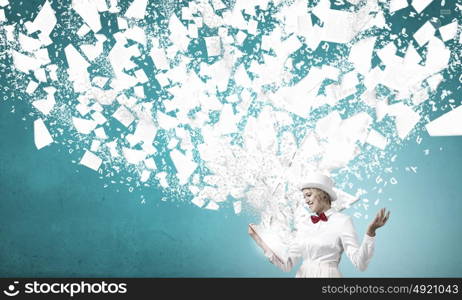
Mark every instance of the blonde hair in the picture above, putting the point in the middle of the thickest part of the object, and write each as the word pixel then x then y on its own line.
pixel 326 196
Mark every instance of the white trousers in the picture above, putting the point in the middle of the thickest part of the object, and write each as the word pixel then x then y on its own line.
pixel 318 269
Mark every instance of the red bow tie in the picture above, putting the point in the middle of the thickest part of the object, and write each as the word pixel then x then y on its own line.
pixel 322 217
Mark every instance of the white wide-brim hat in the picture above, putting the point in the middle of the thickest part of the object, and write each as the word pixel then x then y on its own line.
pixel 321 182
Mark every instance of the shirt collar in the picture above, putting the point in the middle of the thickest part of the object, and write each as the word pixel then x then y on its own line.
pixel 329 212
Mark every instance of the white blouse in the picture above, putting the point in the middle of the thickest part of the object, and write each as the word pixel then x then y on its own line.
pixel 320 246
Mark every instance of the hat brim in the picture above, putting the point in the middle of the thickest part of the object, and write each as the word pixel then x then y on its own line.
pixel 308 185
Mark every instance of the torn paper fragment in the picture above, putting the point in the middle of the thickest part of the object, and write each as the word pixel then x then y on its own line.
pixel 186 13
pixel 113 8
pixel 376 139
pixel 139 91
pixel 162 177
pixel 45 106
pixel 237 207
pixel 42 136
pixel 95 145
pixel 42 56
pixel 121 61
pixel 44 22
pixel 112 146
pixel 434 81
pixel 97 107
pixel 212 205
pixel 122 23
pixel 4 3
pixel 419 96
pixel 83 109
pixel 241 36
pixel 420 5
pixel 31 87
pixel 145 175
pixel 100 133
pixel 355 128
pixel 424 33
pixel 396 5
pixel 241 77
pixel 213 45
pixel 338 26
pixel 381 109
pixel 289 45
pixel 228 121
pixel 52 72
pixel 100 81
pixel 232 98
pixel 101 5
pixel 193 31
pixel 10 35
pixel 361 54
pixel 329 125
pixel 98 117
pixel 172 143
pixel 412 56
pixel 406 118
pixel 150 163
pixel 337 154
pixel 84 29
pixel 145 131
pixel 178 33
pixel 198 201
pixel 159 59
pixel 388 55
pixel 91 161
pixel 148 148
pixel 141 76
pixel 83 126
pixel 2 16
pixel 88 10
pixel 449 31
pixel 437 56
pixel 133 156
pixel 29 44
pixel 165 121
pixel 25 63
pixel 93 51
pixel 162 79
pixel 184 165
pixel 448 124
pixel 217 4
pixel 40 75
pixel 252 27
pixel 136 34
pixel 137 9
pixel 77 69
pixel 124 116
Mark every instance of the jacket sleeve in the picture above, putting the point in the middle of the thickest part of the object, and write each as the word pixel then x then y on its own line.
pixel 290 258
pixel 359 255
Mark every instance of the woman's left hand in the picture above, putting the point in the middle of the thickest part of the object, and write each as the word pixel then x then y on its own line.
pixel 380 219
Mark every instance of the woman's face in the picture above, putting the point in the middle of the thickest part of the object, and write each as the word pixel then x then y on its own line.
pixel 315 200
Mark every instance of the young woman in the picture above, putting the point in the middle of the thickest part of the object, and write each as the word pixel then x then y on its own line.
pixel 321 239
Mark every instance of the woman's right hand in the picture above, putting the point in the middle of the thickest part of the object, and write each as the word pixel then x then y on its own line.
pixel 250 230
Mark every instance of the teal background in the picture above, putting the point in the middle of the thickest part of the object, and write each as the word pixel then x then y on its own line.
pixel 56 219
